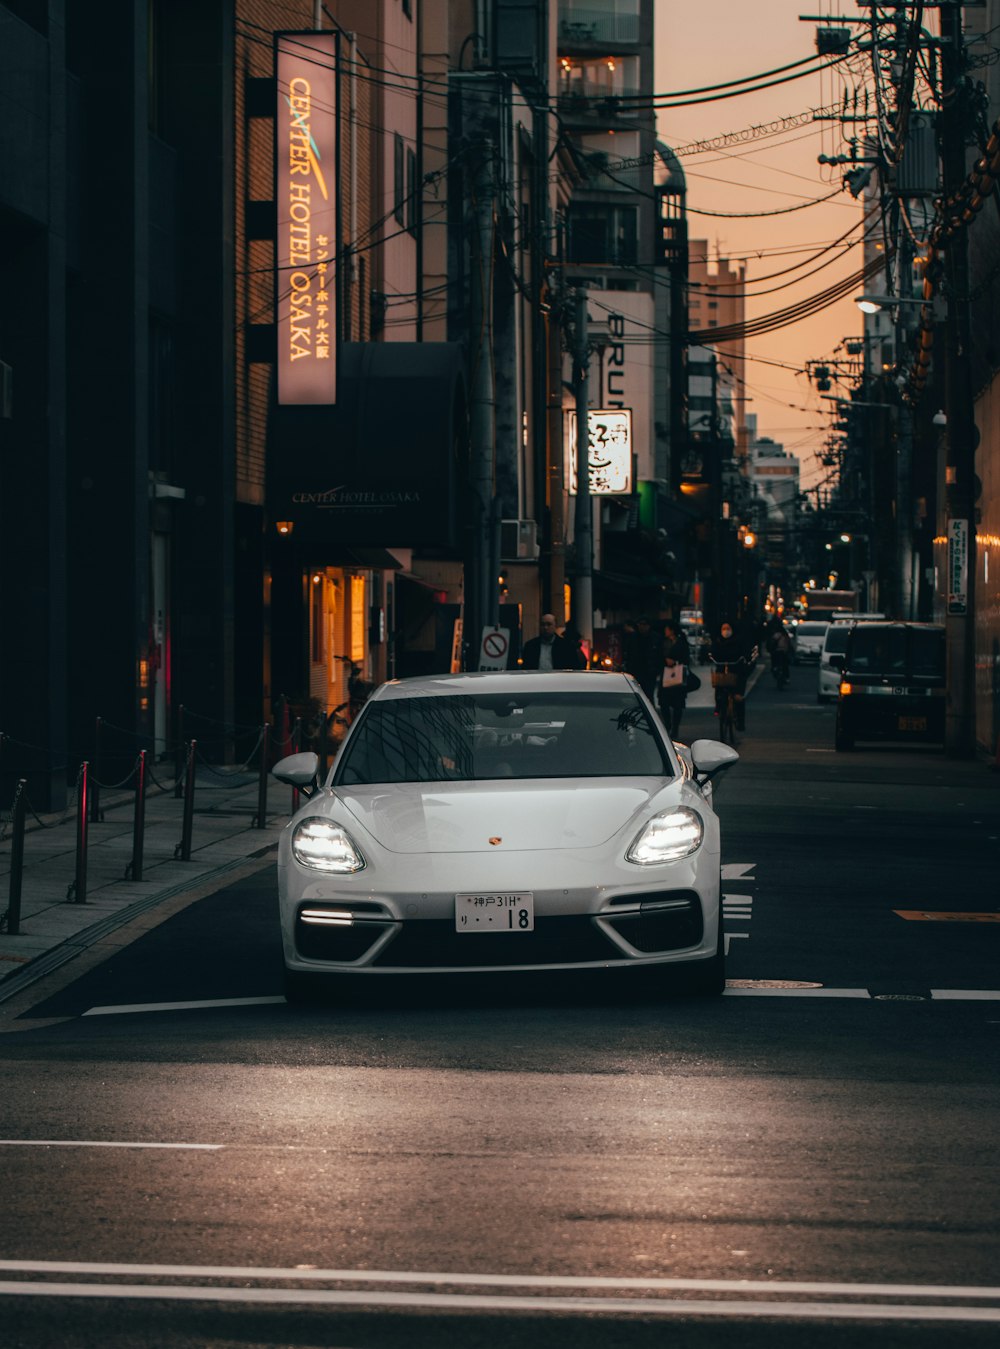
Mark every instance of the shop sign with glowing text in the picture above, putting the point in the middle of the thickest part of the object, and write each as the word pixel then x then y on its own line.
pixel 610 451
pixel 306 187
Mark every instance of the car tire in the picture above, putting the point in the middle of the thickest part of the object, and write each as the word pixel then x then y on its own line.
pixel 707 978
pixel 303 990
pixel 842 742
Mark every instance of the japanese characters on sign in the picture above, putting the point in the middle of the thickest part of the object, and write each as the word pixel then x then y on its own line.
pixel 306 186
pixel 609 451
pixel 958 567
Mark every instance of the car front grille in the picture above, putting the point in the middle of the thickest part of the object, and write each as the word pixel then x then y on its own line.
pixel 554 941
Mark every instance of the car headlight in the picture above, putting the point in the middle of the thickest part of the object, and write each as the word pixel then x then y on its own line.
pixel 324 846
pixel 676 833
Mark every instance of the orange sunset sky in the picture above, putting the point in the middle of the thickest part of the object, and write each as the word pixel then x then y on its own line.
pixel 716 41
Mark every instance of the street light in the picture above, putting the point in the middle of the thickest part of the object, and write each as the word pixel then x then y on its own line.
pixel 874 304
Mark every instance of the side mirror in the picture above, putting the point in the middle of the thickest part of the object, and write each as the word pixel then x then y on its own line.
pixel 299 771
pixel 836 662
pixel 712 756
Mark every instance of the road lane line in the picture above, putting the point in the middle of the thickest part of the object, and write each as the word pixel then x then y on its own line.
pixel 762 988
pixel 192 1005
pixel 647 1283
pixel 766 991
pixel 100 1143
pixel 584 1306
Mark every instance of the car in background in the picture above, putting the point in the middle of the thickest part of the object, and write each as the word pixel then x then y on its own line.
pixel 831 656
pixel 503 822
pixel 892 684
pixel 808 642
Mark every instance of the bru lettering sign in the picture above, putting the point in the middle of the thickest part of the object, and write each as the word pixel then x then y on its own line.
pixel 306 187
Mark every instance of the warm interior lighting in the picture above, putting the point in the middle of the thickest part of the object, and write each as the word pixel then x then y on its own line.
pixel 285 526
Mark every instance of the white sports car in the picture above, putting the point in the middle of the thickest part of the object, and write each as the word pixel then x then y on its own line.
pixel 503 822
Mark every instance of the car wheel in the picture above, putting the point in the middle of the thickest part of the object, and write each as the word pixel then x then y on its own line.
pixel 301 989
pixel 707 978
pixel 841 740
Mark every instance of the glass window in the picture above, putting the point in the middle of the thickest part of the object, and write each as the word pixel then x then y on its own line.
pixel 535 735
pixel 878 651
pixel 927 654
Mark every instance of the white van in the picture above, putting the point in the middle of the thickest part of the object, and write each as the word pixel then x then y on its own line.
pixel 809 641
pixel 834 645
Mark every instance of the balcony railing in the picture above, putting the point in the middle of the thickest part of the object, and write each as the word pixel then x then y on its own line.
pixel 587 27
pixel 597 101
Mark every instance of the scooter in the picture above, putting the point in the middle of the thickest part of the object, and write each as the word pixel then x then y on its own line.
pixel 779 668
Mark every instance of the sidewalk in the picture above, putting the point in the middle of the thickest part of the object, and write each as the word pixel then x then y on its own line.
pixel 54 928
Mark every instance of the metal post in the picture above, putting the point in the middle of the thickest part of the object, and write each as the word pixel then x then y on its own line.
pixel 296 746
pixel 184 848
pixel 134 869
pixel 78 890
pixel 265 751
pixel 16 857
pixel 961 487
pixel 583 599
pixel 95 786
pixel 179 757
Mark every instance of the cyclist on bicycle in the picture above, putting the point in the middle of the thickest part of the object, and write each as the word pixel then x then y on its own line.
pixel 731 651
pixel 780 646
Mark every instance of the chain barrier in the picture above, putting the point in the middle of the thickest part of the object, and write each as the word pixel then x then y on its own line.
pixel 242 770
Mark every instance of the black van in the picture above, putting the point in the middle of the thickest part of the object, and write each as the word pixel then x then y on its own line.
pixel 892 684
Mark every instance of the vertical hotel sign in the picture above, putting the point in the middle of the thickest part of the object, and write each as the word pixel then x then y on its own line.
pixel 305 193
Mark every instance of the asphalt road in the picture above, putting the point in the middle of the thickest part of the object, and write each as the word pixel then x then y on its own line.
pixel 546 1163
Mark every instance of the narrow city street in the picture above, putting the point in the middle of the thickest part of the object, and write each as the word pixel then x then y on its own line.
pixel 596 1163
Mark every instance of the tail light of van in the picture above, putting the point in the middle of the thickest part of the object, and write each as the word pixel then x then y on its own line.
pixel 845 688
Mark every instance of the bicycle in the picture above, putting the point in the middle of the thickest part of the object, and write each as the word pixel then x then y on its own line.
pixel 779 668
pixel 725 682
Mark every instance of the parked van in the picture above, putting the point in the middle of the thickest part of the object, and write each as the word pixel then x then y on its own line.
pixel 834 646
pixel 892 684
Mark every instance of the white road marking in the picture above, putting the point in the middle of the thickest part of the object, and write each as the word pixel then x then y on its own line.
pixel 98 1143
pixel 965 994
pixel 305 1273
pixel 910 1305
pixel 737 871
pixel 767 992
pixel 584 1306
pixel 181 1006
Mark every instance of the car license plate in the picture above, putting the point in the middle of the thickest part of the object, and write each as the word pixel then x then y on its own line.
pixel 912 723
pixel 506 911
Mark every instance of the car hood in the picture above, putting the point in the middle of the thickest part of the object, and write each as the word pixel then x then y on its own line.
pixel 465 817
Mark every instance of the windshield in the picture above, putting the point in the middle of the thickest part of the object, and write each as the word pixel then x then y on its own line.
pixel 465 738
pixel 878 651
pixel 811 629
pixel 836 640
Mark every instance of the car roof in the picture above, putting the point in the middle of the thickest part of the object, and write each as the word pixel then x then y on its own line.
pixel 508 681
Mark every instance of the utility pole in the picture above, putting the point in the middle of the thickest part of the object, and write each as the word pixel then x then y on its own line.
pixel 583 600
pixel 481 596
pixel 960 432
pixel 553 594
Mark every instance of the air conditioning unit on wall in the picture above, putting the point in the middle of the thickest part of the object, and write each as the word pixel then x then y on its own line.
pixel 518 540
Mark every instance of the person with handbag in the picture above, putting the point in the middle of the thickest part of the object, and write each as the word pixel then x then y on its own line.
pixel 672 692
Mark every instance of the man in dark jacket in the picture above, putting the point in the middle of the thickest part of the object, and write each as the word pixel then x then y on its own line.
pixel 550 651
pixel 644 656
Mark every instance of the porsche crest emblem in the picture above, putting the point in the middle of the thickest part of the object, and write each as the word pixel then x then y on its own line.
pixel 494 841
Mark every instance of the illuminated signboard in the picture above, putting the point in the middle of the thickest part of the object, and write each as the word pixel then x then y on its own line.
pixel 306 195
pixel 610 452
